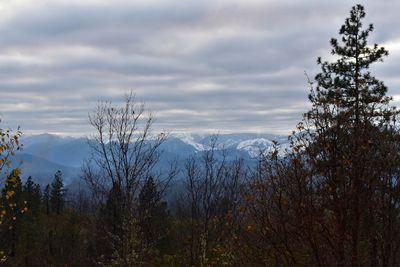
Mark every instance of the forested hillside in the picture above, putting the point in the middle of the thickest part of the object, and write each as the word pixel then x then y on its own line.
pixel 328 195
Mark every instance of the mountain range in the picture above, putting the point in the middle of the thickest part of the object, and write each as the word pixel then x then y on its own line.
pixel 42 155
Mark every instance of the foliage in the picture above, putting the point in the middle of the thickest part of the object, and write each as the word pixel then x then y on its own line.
pixel 320 205
pixel 9 144
pixel 57 193
pixel 332 198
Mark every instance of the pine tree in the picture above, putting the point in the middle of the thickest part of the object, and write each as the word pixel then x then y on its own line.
pixel 152 213
pixel 349 129
pixel 32 195
pixel 113 212
pixel 28 248
pixel 110 229
pixel 57 192
pixel 46 199
pixel 334 199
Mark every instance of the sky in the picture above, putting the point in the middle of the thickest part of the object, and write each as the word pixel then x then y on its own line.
pixel 199 66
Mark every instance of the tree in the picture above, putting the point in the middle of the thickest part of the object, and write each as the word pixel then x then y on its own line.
pixel 13 210
pixel 57 193
pixel 138 239
pixel 321 204
pixel 212 186
pixel 153 216
pixel 46 199
pixel 125 153
pixel 124 150
pixel 347 132
pixel 32 195
pixel 28 251
pixel 9 144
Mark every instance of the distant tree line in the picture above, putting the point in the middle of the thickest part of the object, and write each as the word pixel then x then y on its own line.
pixel 331 198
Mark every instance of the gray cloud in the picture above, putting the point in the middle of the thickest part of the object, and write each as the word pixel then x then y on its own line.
pixel 198 65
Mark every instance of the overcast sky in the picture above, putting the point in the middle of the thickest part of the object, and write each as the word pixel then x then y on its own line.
pixel 200 66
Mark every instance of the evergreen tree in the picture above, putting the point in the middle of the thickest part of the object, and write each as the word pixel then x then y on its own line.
pixel 46 199
pixel 32 195
pixel 110 230
pixel 334 200
pixel 9 144
pixel 57 193
pixel 28 249
pixel 13 211
pixel 113 212
pixel 153 216
pixel 348 132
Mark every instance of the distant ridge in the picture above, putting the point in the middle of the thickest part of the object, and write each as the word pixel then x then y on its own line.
pixel 44 154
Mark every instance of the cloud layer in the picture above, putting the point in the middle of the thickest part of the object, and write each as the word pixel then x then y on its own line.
pixel 200 66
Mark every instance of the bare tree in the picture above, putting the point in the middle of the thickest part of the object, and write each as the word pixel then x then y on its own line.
pixel 125 156
pixel 212 188
pixel 125 151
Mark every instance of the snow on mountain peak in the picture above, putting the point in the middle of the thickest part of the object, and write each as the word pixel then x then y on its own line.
pixel 254 146
pixel 190 140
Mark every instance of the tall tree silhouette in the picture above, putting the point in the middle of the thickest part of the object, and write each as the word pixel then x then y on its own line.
pixel 57 193
pixel 327 194
pixel 152 214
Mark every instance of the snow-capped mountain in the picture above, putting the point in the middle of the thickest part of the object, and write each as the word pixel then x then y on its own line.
pixel 44 154
pixel 190 139
pixel 255 146
pixel 248 142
